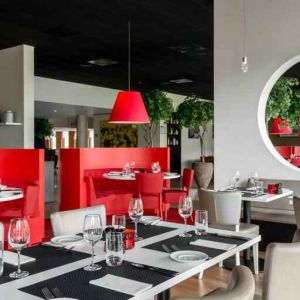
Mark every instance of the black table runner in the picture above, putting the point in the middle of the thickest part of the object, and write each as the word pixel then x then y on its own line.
pixel 46 258
pixel 148 231
pixel 76 285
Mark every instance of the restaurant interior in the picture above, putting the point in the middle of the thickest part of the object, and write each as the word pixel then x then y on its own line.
pixel 149 150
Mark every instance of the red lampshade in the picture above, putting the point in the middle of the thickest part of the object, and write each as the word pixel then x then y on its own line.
pixel 280 126
pixel 129 108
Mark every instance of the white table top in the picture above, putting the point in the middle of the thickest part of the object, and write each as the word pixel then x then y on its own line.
pixel 5 197
pixel 269 197
pixel 167 176
pixel 10 290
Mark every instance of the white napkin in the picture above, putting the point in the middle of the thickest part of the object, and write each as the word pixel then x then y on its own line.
pixel 212 244
pixel 115 173
pixel 12 258
pixel 121 284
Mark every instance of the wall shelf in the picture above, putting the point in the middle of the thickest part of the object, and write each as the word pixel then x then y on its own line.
pixel 10 124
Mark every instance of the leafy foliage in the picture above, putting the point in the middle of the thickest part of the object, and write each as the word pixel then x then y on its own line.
pixel 42 128
pixel 193 112
pixel 282 100
pixel 160 108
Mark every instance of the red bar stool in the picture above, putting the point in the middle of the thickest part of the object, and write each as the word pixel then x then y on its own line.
pixel 173 195
pixel 149 187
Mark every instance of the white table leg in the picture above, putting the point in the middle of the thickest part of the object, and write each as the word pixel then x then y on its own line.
pixel 255 258
pixel 237 259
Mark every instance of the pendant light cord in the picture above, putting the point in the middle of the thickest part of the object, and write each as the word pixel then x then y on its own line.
pixel 244 27
pixel 129 55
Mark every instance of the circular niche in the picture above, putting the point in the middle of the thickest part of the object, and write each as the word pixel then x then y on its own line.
pixel 279 114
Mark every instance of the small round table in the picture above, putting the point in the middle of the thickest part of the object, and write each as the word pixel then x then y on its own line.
pixel 14 196
pixel 120 176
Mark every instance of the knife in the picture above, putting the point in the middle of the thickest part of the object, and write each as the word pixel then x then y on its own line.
pixel 166 248
pixel 155 269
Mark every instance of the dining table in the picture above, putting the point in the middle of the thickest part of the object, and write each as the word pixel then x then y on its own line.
pixel 131 176
pixel 63 270
pixel 11 194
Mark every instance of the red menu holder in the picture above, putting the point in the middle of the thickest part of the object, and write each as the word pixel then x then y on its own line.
pixel 128 238
pixel 272 189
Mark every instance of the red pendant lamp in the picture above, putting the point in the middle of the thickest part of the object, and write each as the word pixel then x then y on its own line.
pixel 280 126
pixel 129 107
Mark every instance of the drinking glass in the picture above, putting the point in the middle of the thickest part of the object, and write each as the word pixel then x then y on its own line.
pixel 1 248
pixel 18 238
pixel 136 211
pixel 259 187
pixel 126 169
pixel 114 248
pixel 201 222
pixel 185 210
pixel 131 165
pixel 92 233
pixel 118 221
pixel 236 179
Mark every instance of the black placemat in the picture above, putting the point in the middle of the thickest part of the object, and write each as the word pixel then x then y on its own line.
pixel 148 231
pixel 75 284
pixel 46 258
pixel 183 243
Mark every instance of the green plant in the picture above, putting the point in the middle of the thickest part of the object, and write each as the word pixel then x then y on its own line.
pixel 196 113
pixel 282 101
pixel 42 128
pixel 159 107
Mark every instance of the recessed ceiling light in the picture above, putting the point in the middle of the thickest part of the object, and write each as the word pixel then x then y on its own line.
pixel 181 80
pixel 85 65
pixel 190 48
pixel 102 62
pixel 55 110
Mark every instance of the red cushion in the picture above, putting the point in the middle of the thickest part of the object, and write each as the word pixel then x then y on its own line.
pixel 173 196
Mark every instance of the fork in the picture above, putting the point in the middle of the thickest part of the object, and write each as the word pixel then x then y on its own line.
pixel 57 293
pixel 47 294
pixel 175 248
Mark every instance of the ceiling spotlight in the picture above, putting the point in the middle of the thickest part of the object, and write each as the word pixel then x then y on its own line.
pixel 102 62
pixel 181 80
pixel 55 110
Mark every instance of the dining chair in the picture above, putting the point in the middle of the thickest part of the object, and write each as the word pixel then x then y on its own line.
pixel 173 195
pixel 224 212
pixel 240 287
pixel 282 272
pixel 149 187
pixel 296 204
pixel 71 221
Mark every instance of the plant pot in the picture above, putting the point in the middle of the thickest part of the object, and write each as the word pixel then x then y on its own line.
pixel 203 173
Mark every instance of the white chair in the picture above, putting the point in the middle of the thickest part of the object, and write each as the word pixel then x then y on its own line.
pixel 240 287
pixel 71 221
pixel 296 203
pixel 282 272
pixel 224 212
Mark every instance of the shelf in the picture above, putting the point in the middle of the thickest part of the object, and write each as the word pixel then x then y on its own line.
pixel 10 124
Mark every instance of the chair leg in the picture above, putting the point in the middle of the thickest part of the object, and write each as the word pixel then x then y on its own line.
pixel 237 259
pixel 255 258
pixel 221 264
pixel 200 276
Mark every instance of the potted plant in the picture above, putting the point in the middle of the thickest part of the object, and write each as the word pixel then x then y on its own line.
pixel 42 129
pixel 196 113
pixel 159 107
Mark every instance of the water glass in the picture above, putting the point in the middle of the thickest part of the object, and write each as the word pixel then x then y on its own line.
pixel 131 165
pixel 236 179
pixel 126 169
pixel 92 233
pixel 114 248
pixel 118 221
pixel 185 210
pixel 18 238
pixel 135 212
pixel 1 248
pixel 259 187
pixel 201 222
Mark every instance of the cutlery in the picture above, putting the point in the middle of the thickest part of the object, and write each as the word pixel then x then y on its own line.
pixel 155 269
pixel 58 293
pixel 47 294
pixel 175 248
pixel 166 248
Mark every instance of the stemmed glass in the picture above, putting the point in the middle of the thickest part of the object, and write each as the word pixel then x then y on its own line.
pixel 18 238
pixel 236 178
pixel 185 210
pixel 136 211
pixel 119 221
pixel 92 232
pixel 131 165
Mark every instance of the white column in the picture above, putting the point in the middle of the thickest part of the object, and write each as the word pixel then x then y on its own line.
pixel 82 130
pixel 17 94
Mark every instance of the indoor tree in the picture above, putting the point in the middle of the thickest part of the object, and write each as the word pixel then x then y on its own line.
pixel 160 108
pixel 42 129
pixel 196 113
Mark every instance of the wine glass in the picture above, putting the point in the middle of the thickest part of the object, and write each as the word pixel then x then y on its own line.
pixel 118 221
pixel 185 210
pixel 92 233
pixel 236 178
pixel 132 165
pixel 18 238
pixel 136 211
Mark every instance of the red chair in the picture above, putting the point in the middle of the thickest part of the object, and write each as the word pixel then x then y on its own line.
pixel 149 187
pixel 285 151
pixel 173 195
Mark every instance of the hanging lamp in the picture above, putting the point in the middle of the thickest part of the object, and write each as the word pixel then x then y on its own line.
pixel 244 65
pixel 129 107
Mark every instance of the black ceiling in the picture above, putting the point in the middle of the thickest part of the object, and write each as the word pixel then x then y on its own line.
pixel 170 39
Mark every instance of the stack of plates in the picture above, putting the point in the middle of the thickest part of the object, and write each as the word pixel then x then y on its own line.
pixel 187 256
pixel 65 240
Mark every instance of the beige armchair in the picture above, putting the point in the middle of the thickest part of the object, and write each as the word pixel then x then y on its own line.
pixel 240 287
pixel 296 203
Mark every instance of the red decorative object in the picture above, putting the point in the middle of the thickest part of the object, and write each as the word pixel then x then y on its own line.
pixel 128 238
pixel 280 126
pixel 173 195
pixel 129 108
pixel 272 189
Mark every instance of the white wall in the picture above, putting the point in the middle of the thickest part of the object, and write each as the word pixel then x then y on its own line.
pixel 17 94
pixel 272 39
